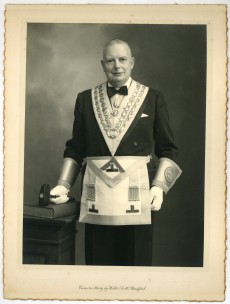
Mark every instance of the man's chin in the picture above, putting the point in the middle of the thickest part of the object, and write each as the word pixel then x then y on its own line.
pixel 118 80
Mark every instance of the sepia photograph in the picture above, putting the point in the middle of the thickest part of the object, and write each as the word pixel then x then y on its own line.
pixel 117 159
pixel 68 63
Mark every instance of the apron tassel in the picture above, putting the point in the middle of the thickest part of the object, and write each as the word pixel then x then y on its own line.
pixel 134 194
pixel 91 192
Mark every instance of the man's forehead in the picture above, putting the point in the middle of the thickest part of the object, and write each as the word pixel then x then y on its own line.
pixel 118 49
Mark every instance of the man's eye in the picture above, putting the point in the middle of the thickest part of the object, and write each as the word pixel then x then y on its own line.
pixel 109 60
pixel 123 59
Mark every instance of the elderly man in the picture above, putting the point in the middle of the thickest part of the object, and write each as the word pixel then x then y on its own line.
pixel 116 126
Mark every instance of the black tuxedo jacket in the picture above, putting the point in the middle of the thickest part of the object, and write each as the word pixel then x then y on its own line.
pixel 147 133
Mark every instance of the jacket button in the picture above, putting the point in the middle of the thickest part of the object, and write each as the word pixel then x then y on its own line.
pixel 135 143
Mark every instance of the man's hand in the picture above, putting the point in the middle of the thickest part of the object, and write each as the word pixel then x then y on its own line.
pixel 156 198
pixel 61 193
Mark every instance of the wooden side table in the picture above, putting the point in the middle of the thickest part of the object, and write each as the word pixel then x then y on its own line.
pixel 49 241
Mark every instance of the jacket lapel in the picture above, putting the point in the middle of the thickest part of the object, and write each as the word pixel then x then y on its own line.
pixel 135 120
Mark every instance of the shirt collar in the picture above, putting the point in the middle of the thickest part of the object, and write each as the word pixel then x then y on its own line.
pixel 128 82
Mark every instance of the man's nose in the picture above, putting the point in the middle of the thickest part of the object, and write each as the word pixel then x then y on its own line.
pixel 117 63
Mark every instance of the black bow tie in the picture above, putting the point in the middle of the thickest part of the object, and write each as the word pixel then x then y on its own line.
pixel 112 91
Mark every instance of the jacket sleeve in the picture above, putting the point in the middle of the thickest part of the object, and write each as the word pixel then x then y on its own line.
pixel 164 140
pixel 75 147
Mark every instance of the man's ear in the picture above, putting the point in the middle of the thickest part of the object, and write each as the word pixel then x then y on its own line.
pixel 133 62
pixel 102 63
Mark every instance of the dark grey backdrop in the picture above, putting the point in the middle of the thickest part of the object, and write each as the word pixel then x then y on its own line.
pixel 64 59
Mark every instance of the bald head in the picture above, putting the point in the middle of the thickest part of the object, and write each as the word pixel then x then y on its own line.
pixel 117 62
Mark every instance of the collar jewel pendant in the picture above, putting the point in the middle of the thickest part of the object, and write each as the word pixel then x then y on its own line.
pixel 115 113
pixel 112 133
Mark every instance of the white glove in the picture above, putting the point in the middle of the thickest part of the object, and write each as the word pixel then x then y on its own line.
pixel 61 192
pixel 156 198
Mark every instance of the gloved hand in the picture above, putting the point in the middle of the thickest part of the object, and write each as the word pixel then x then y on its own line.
pixel 61 192
pixel 156 198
